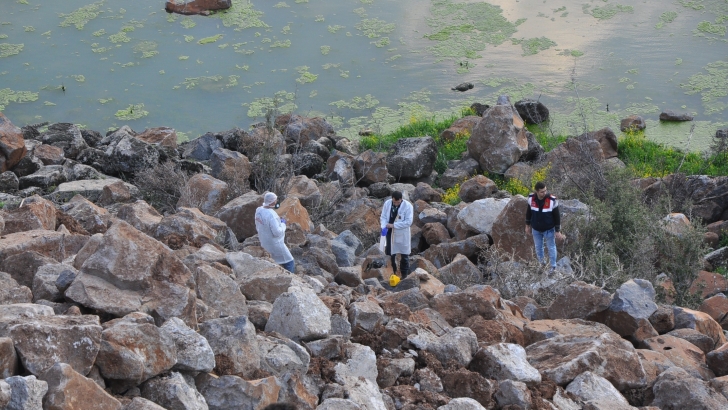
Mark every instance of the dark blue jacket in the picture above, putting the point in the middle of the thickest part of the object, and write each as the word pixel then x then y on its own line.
pixel 543 214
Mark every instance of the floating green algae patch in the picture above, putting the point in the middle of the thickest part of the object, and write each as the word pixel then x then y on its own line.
pixel 665 18
pixel 99 33
pixel 375 28
pixel 335 28
pixel 306 77
pixel 711 86
pixel 357 103
pixel 3 36
pixel 241 15
pixel 281 5
pixel 187 22
pixel 532 46
pixel 211 39
pixel 319 18
pixel 382 42
pixel 119 37
pixel 80 78
pixel 282 102
pixel 147 49
pixel 710 28
pixel 325 50
pixel 28 29
pixel 7 49
pixel 189 39
pixel 82 16
pixel 132 112
pixel 692 4
pixel 606 12
pixel 281 44
pixel 462 30
pixel 7 96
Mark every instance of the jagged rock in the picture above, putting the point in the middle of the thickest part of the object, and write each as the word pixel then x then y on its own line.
pixel 12 292
pixel 669 115
pixel 227 164
pixel 139 403
pixel 677 389
pixel 702 322
pixel 480 215
pixel 458 307
pixel 234 343
pixel 8 182
pixel 391 370
pixel 233 392
pixel 8 358
pixel 703 342
pixel 266 284
pixel 435 232
pixel 683 353
pixel 539 330
pixel 629 312
pixel 513 393
pixel 366 315
pixel 205 193
pixel 36 213
pixel 5 393
pixel 280 356
pixel 338 404
pixel 194 353
pixel 370 167
pixel 478 187
pixel 533 112
pixel 12 144
pixel 141 216
pixel 305 190
pixel 363 392
pixel 460 344
pixel 46 278
pixel 412 158
pixel 359 362
pixel 718 360
pixel 159 136
pixel 462 127
pixel 299 315
pixel 45 340
pixel 708 284
pixel 125 271
pixel 239 213
pixel 462 403
pixel 127 154
pixel 173 392
pixel 562 358
pixel 499 139
pixel 461 270
pixel 65 136
pixel 632 123
pixel 663 320
pixel 92 218
pixel 49 154
pixel 590 386
pixel 91 189
pixel 579 301
pixel 189 226
pixel 504 361
pixel 345 247
pixel 26 393
pixel 219 291
pixel 67 389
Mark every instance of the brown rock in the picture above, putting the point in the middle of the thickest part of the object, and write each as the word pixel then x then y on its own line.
pixel 141 216
pixel 683 353
pixel 370 167
pixel 562 358
pixel 426 193
pixel 444 253
pixel 239 213
pixel 231 166
pixel 703 342
pixel 461 272
pixel 490 332
pixel 702 322
pixel 499 139
pixel 188 226
pixel 293 211
pixel 539 330
pixel 48 243
pixel 719 227
pixel 92 218
pixel 49 154
pixel 632 123
pixel 23 267
pixel 8 358
pixel 204 192
pixel 708 284
pixel 305 190
pixel 190 7
pixel 663 320
pixel 12 144
pixel 35 213
pixel 718 360
pixel 458 307
pixel 508 230
pixel 477 187
pixel 115 193
pixel 431 320
pixel 430 286
pixel 717 307
pixel 69 390
pixel 462 128
pixel 579 300
pixel 12 292
pixel 654 364
pixel 464 383
pixel 159 136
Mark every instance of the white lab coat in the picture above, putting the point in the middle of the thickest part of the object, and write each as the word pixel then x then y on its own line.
pixel 401 238
pixel 272 234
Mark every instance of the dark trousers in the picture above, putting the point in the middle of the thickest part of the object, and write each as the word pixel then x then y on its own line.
pixel 404 264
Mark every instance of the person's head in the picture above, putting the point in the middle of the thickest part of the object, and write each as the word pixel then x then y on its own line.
pixel 270 200
pixel 396 198
pixel 540 189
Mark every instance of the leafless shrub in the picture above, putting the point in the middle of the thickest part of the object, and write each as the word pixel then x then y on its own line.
pixel 238 181
pixel 162 186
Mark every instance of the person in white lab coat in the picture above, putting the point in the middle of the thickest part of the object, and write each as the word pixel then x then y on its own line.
pixel 397 216
pixel 272 232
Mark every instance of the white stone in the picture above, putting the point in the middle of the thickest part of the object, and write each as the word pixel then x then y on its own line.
pixel 300 315
pixel 589 386
pixel 480 215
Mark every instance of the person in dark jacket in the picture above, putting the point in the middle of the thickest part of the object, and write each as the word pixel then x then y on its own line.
pixel 543 221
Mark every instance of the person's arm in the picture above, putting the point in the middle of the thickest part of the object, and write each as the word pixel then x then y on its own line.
pixel 277 228
pixel 406 213
pixel 528 216
pixel 557 217
pixel 383 219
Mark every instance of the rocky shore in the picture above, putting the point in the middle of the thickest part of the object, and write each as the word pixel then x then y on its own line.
pixel 108 301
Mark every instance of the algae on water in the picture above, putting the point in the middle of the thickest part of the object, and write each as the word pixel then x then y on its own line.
pixel 665 18
pixel 132 112
pixel 306 77
pixel 532 46
pixel 242 15
pixel 7 49
pixel 282 102
pixel 712 86
pixel 606 12
pixel 7 96
pixel 211 39
pixel 80 17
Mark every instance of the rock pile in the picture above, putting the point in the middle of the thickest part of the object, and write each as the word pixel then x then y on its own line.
pixel 106 303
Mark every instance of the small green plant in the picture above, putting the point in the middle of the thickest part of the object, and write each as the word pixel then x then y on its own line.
pixel 452 195
pixel 722 270
pixel 450 150
pixel 723 240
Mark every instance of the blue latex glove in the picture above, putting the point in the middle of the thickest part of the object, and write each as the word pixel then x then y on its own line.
pixel 384 231
pixel 283 221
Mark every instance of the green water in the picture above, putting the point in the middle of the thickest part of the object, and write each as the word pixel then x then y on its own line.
pixel 364 63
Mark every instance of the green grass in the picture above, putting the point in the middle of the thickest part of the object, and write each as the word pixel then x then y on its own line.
pixel 650 159
pixel 723 240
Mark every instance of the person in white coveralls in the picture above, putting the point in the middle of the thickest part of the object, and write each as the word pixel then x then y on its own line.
pixel 272 232
pixel 396 217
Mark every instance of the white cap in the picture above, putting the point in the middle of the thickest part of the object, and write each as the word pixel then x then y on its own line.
pixel 269 199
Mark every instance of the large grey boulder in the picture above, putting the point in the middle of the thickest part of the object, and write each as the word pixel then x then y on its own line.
pixel 234 343
pixel 67 389
pixel 12 292
pixel 127 154
pixel 219 291
pixel 505 361
pixel 65 136
pixel 479 216
pixel 363 392
pixel 676 389
pixel 412 158
pixel 8 358
pixel 280 356
pixel 462 403
pixel 91 189
pixel 140 403
pixel 630 310
pixel 267 284
pixel 459 344
pixel 499 139
pixel 338 404
pixel 360 362
pixel 26 393
pixel 194 353
pixel 45 177
pixel 141 216
pixel 5 393
pixel 579 300
pixel 300 315
pixel 366 315
pixel 239 214
pixel 233 392
pixel 201 148
pixel 345 247
pixel 174 393
pixel 45 340
pixel 513 394
pixel 133 349
pixel 92 218
pixel 589 386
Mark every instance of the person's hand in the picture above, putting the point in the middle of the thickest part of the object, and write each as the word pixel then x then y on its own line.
pixel 560 236
pixel 390 226
pixel 528 229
